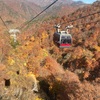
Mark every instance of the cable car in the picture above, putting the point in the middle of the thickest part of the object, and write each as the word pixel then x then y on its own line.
pixel 62 38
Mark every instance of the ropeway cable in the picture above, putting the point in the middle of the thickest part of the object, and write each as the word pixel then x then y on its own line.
pixel 26 23
pixel 4 23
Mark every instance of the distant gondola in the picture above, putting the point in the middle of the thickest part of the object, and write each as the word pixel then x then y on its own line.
pixel 62 38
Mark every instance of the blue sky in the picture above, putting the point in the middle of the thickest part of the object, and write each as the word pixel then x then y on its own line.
pixel 86 1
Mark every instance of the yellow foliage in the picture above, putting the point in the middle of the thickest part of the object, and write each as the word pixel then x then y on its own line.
pixel 42 54
pixel 58 79
pixel 25 64
pixel 45 52
pixel 10 72
pixel 97 48
pixel 93 59
pixel 31 75
pixel 10 61
pixel 39 99
pixel 32 38
pixel 28 44
pixel 44 35
pixel 14 82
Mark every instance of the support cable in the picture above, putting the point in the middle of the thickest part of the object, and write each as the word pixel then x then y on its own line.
pixel 4 23
pixel 26 23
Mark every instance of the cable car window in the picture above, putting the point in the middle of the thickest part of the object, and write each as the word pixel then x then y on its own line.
pixel 66 39
pixel 63 37
pixel 69 39
pixel 63 40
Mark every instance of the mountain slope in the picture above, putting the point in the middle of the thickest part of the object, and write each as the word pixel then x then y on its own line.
pixel 23 10
pixel 81 62
pixel 44 3
pixel 13 10
pixel 60 8
pixel 38 70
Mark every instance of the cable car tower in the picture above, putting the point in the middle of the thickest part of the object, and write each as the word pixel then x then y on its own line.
pixel 62 39
pixel 13 34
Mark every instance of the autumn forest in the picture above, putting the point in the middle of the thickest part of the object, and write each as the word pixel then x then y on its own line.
pixel 33 67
